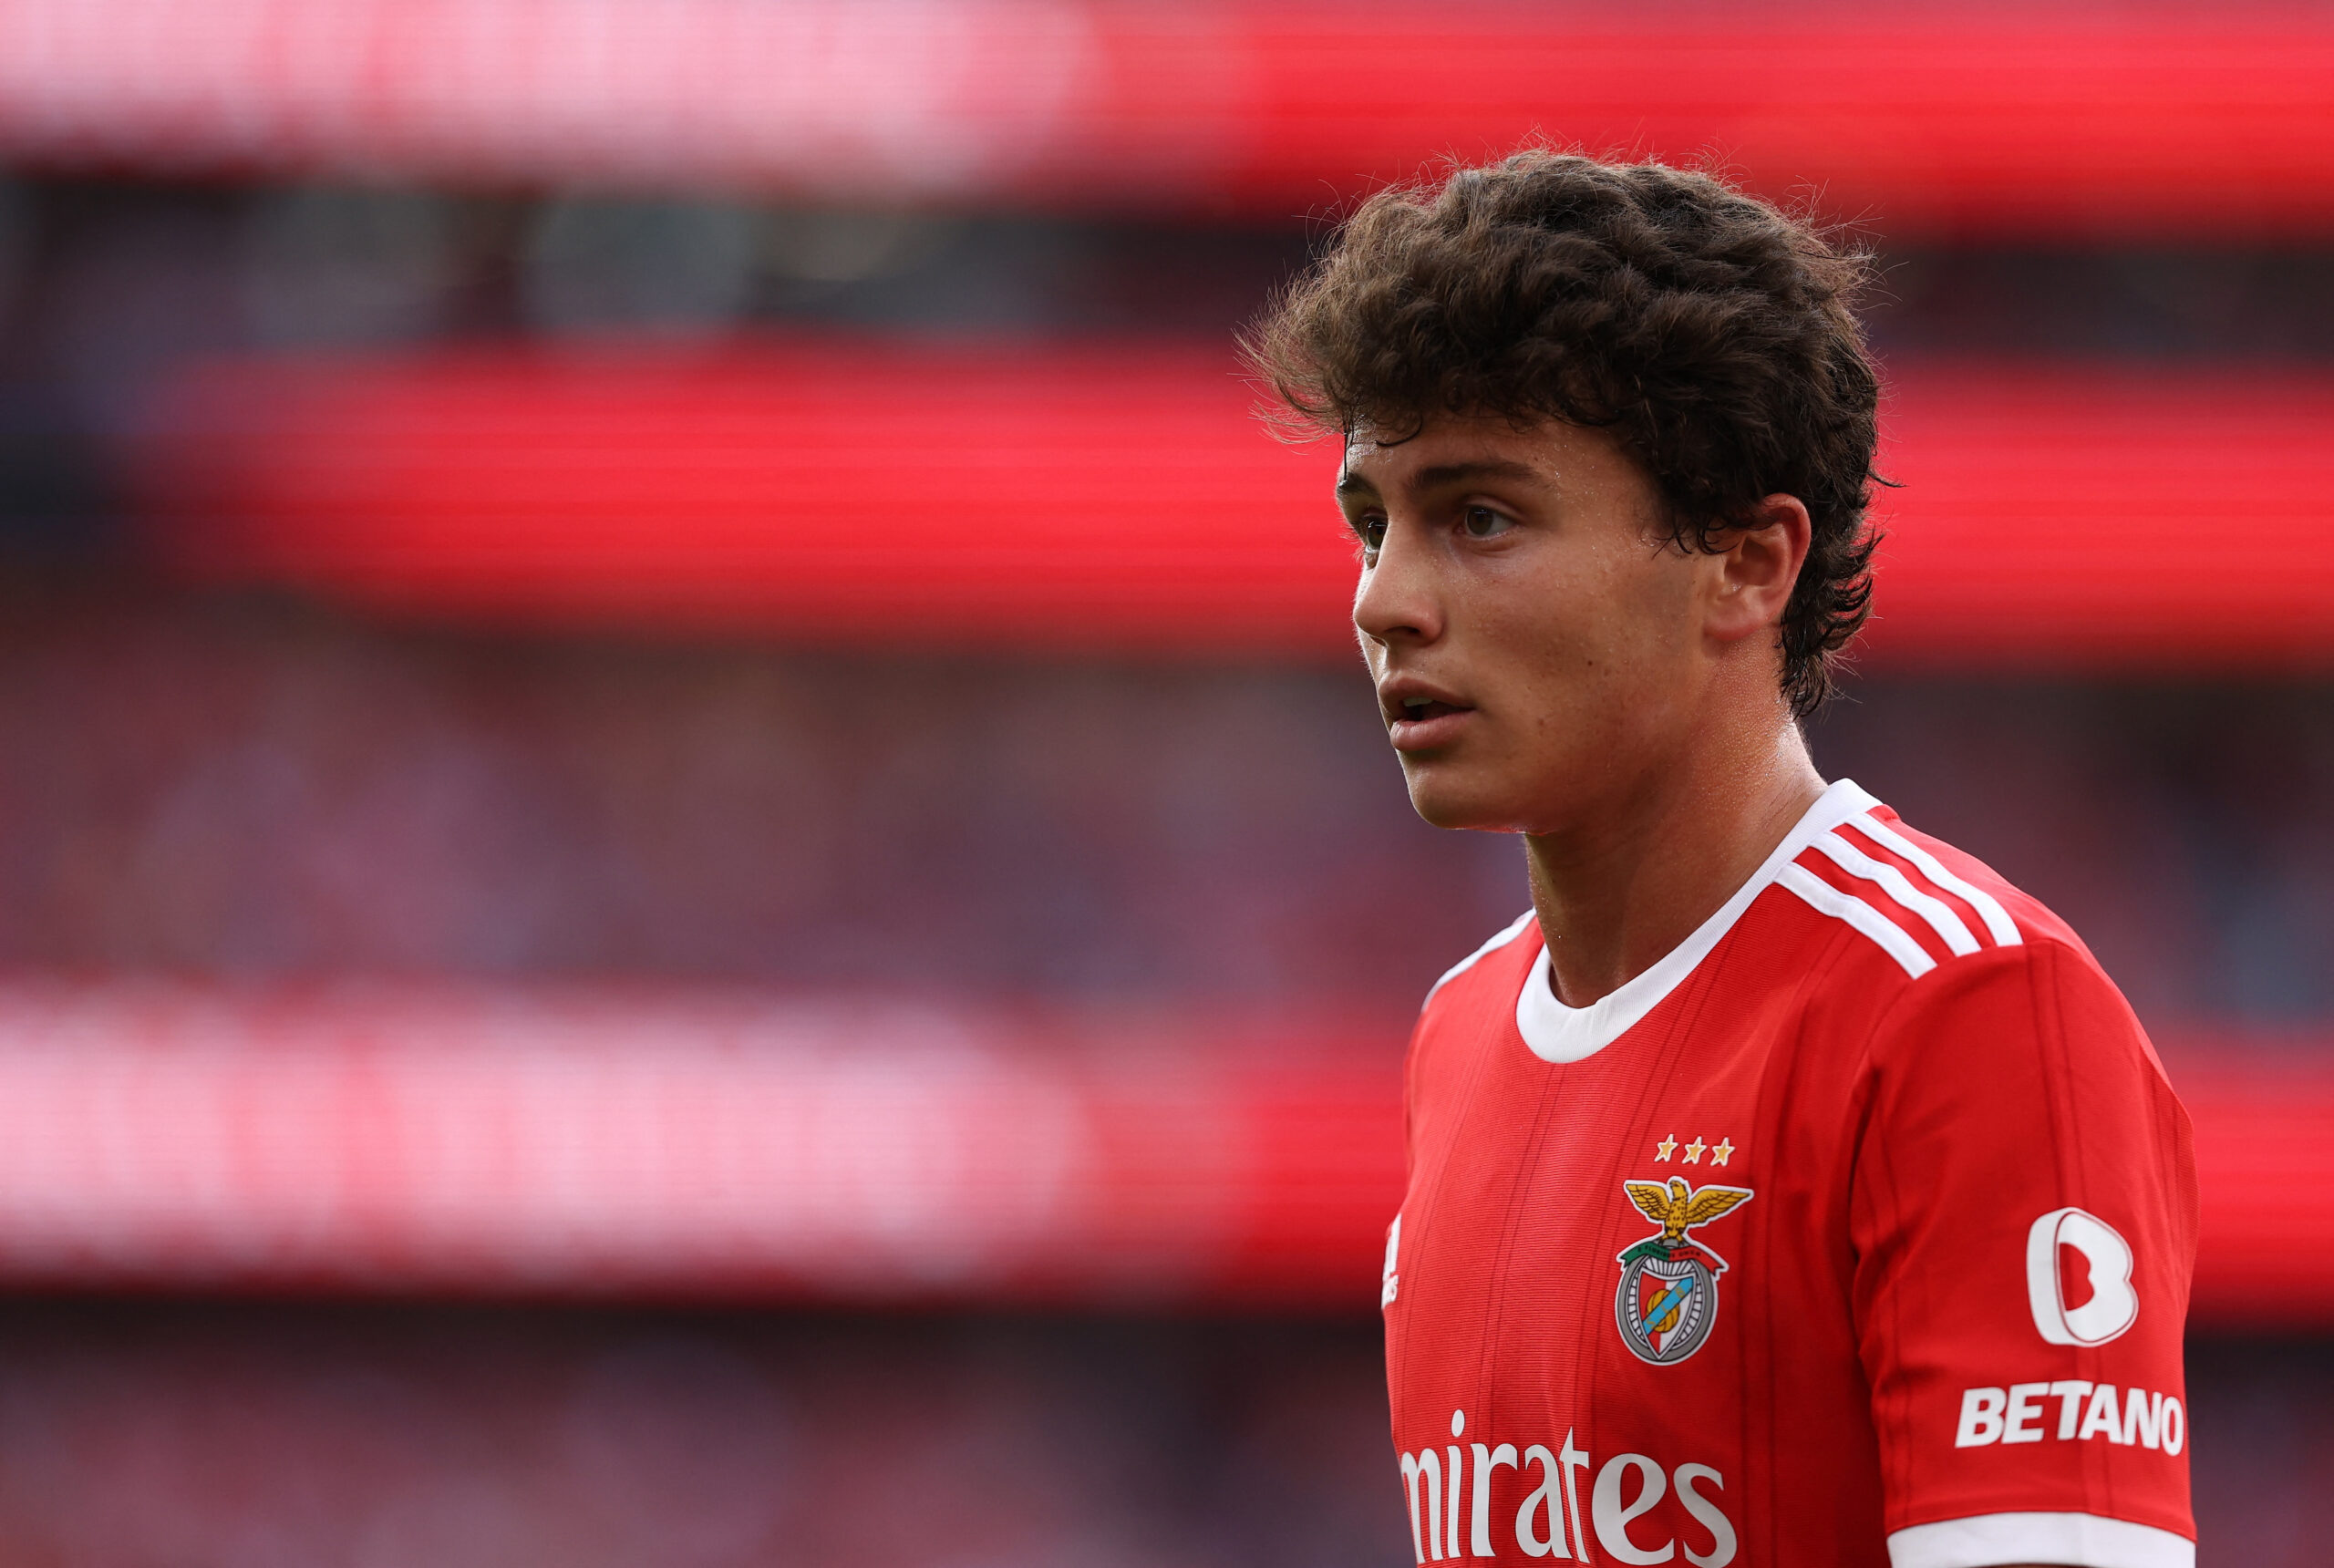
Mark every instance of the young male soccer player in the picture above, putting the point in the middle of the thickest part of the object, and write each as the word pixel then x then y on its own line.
pixel 1785 1188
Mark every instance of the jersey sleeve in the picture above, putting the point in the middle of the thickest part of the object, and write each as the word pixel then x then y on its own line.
pixel 2022 1214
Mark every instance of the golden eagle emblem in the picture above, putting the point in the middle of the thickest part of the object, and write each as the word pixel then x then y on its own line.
pixel 1676 1208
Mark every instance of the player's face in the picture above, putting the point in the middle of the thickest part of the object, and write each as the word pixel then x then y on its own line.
pixel 1537 643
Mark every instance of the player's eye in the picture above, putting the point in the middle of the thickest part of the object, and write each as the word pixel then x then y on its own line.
pixel 1485 522
pixel 1371 532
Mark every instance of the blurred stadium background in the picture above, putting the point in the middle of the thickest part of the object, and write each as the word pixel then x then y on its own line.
pixel 694 872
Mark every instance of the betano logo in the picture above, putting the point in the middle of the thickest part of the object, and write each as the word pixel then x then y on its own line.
pixel 1452 1512
pixel 2108 1308
pixel 2086 1410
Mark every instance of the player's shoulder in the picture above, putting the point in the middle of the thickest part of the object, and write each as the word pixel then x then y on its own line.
pixel 1920 924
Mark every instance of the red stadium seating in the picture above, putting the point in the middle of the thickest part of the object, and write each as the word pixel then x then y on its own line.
pixel 1118 499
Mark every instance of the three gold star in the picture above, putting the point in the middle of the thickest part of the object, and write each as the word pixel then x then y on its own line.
pixel 1719 1152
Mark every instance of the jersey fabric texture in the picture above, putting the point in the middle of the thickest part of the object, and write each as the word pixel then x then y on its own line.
pixel 1856 1231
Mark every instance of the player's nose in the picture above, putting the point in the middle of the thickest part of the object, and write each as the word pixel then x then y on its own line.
pixel 1399 598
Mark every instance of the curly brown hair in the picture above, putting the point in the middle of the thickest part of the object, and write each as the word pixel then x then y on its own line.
pixel 1710 333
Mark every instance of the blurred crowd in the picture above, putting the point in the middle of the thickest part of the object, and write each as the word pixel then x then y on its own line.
pixel 249 790
pixel 263 1437
pixel 463 1438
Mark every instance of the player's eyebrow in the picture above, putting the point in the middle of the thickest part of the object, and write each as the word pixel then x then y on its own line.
pixel 1444 474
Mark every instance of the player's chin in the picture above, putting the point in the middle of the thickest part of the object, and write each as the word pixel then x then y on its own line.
pixel 1449 794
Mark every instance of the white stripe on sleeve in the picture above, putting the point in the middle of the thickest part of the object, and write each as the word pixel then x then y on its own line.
pixel 1989 907
pixel 1950 928
pixel 1892 938
pixel 2075 1540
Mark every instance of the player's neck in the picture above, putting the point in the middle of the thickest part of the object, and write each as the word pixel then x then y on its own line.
pixel 1613 895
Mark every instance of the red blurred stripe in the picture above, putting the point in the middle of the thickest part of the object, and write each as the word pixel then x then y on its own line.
pixel 2158 519
pixel 472 1142
pixel 1919 118
pixel 2265 1144
pixel 1120 498
pixel 611 1142
pixel 445 1139
pixel 1109 498
pixel 2038 119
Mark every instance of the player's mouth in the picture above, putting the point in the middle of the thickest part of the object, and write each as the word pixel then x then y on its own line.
pixel 1419 718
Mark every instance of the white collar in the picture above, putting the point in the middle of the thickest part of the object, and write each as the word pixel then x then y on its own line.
pixel 1556 1033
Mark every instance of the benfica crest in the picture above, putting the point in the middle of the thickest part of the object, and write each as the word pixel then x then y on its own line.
pixel 1667 1301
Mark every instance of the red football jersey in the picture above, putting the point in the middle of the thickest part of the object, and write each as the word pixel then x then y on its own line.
pixel 1856 1231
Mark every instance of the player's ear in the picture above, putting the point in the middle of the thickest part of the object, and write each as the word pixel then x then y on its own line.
pixel 1759 567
